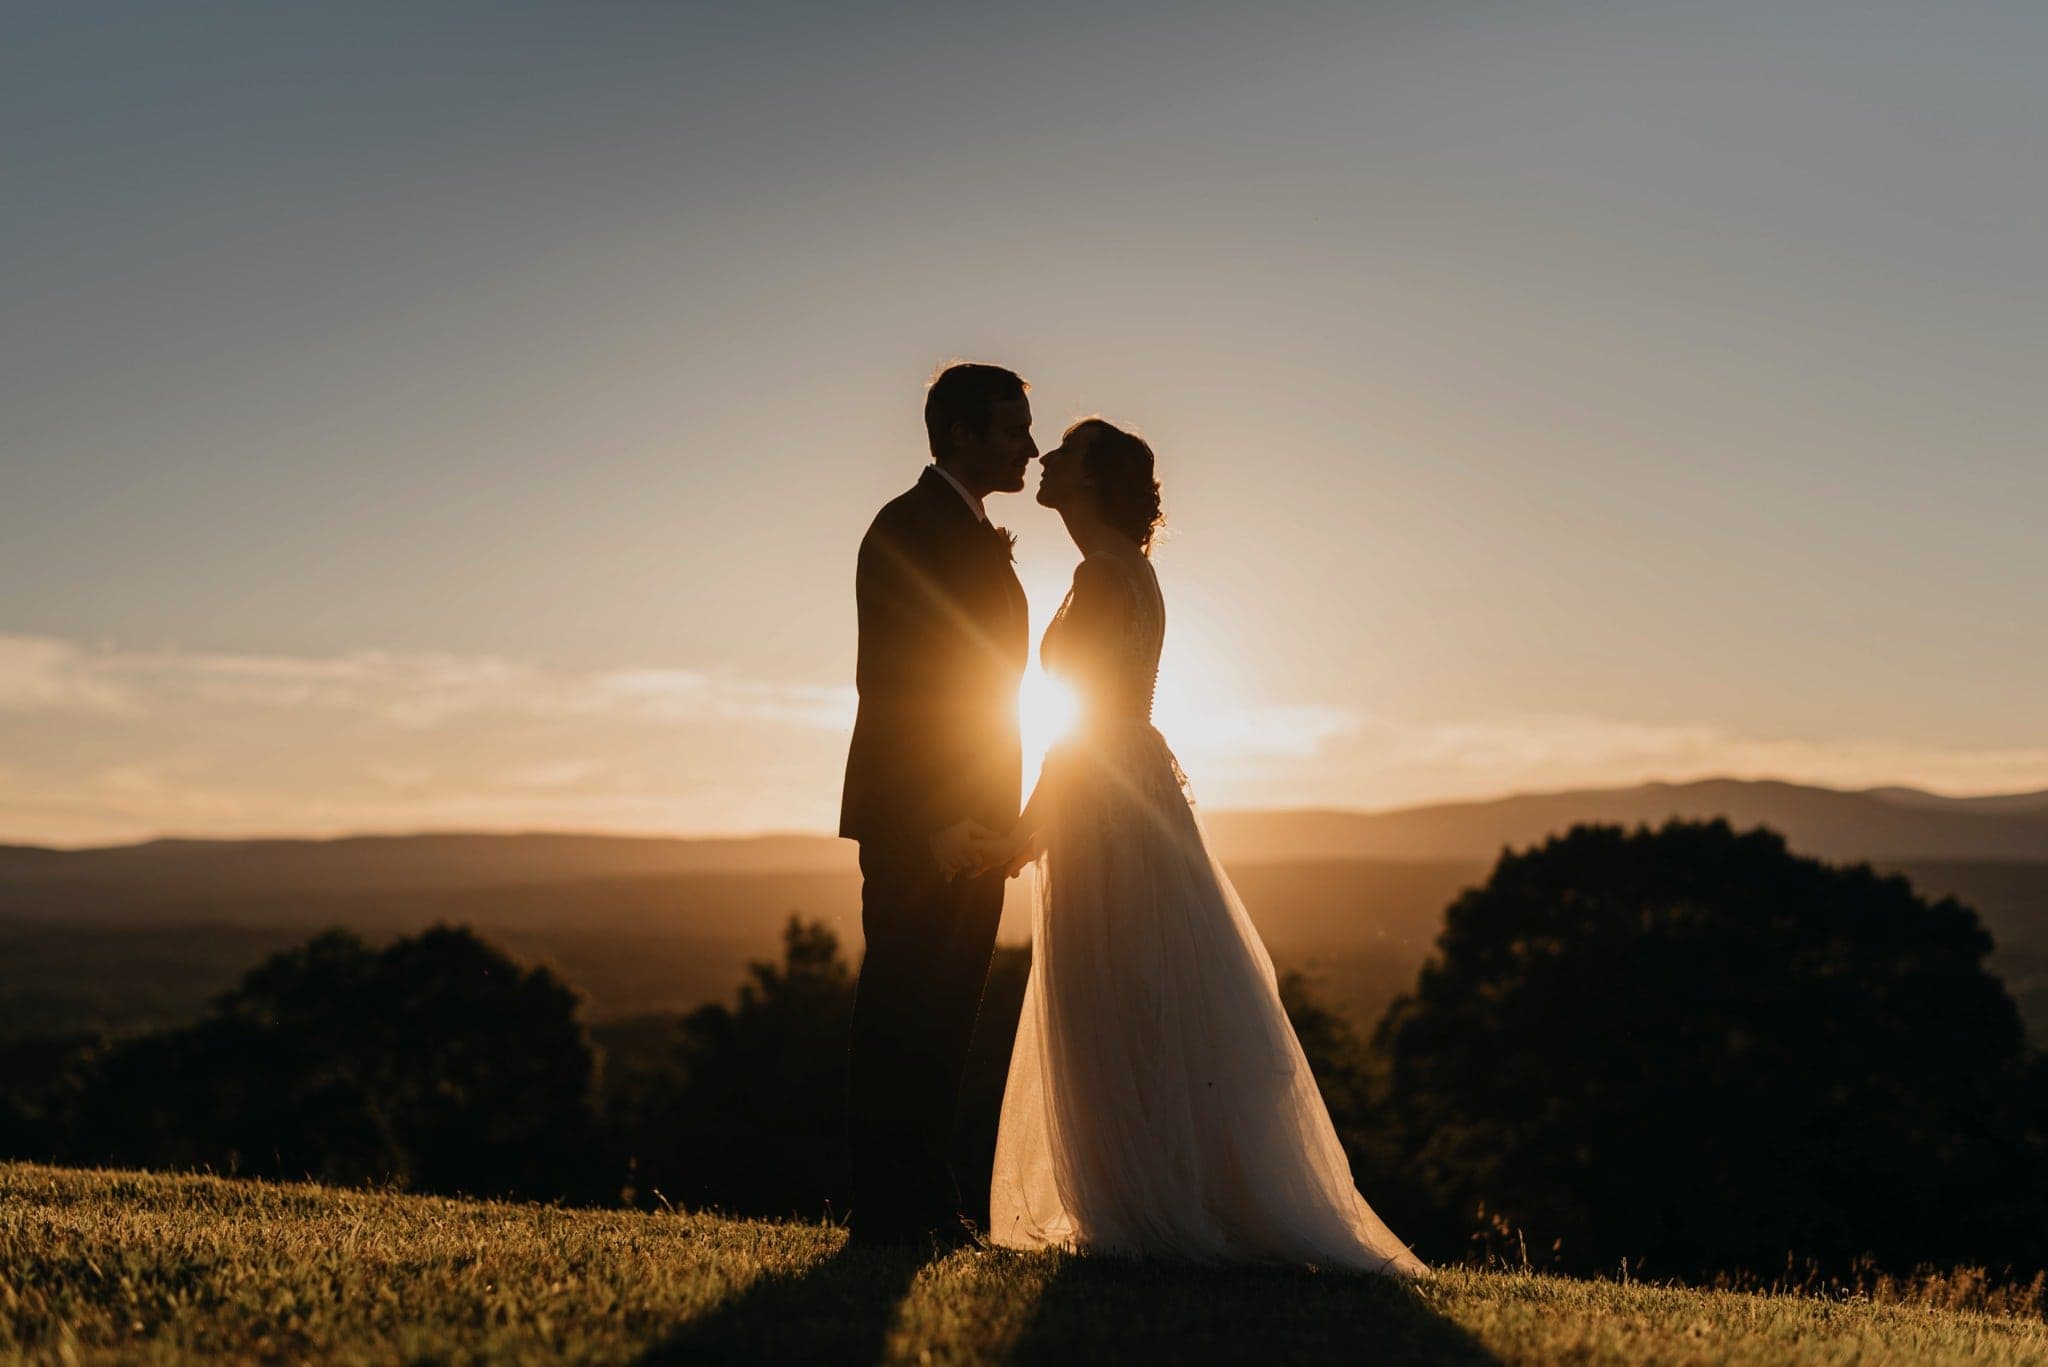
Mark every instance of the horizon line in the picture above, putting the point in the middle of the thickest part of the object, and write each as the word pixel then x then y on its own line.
pixel 783 833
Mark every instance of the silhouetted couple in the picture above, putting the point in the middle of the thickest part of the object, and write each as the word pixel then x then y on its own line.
pixel 1158 1103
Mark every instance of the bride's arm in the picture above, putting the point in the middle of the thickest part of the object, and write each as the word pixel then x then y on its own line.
pixel 1022 845
pixel 1091 626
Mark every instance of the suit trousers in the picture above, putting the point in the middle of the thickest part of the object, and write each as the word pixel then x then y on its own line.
pixel 929 942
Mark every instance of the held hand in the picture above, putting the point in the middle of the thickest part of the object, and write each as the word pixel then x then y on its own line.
pixel 1023 852
pixel 956 849
pixel 990 853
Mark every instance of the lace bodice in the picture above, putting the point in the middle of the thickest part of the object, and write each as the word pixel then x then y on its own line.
pixel 1105 639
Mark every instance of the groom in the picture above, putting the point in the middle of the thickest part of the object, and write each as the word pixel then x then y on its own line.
pixel 934 767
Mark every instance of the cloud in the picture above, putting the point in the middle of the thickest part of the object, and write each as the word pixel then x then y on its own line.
pixel 236 743
pixel 557 774
pixel 1284 731
pixel 42 673
pixel 685 695
pixel 419 690
pixel 1387 761
pixel 399 777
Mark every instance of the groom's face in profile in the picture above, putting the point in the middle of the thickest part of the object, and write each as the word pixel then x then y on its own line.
pixel 994 462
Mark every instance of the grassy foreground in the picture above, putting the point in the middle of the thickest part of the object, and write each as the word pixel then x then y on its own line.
pixel 144 1267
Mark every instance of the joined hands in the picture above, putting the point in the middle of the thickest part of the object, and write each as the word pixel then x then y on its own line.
pixel 968 849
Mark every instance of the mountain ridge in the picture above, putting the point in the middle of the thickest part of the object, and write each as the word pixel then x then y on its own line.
pixel 645 923
pixel 1830 823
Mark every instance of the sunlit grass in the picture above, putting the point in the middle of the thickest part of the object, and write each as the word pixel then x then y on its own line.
pixel 100 1266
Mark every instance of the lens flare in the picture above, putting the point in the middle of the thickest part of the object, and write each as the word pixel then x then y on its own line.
pixel 1045 709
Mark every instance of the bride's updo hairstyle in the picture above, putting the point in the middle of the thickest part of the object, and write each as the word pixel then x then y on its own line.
pixel 1119 466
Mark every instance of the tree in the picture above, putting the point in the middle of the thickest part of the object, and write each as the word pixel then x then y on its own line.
pixel 437 1063
pixel 1696 1050
pixel 745 1108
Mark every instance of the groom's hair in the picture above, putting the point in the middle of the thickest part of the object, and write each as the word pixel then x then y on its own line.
pixel 966 393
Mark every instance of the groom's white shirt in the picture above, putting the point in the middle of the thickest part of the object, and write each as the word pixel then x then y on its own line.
pixel 972 502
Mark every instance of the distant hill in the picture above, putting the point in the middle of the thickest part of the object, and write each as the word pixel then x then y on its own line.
pixel 35 880
pixel 1359 927
pixel 1877 823
pixel 643 924
pixel 234 876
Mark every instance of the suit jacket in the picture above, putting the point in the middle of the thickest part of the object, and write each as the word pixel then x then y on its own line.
pixel 944 637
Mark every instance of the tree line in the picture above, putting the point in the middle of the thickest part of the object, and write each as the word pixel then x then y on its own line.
pixel 1687 1047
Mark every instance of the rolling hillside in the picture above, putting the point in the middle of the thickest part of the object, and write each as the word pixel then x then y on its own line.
pixel 145 933
pixel 1359 928
pixel 127 880
pixel 1879 823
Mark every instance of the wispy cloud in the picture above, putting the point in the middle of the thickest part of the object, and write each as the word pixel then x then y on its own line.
pixel 412 690
pixel 42 673
pixel 685 695
pixel 553 775
pixel 1388 761
pixel 110 744
pixel 1283 731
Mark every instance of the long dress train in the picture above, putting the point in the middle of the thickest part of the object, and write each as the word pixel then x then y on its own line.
pixel 1158 1103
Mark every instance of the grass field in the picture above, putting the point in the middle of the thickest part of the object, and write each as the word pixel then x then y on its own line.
pixel 105 1266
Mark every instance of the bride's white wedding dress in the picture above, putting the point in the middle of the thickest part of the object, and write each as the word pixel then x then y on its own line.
pixel 1158 1103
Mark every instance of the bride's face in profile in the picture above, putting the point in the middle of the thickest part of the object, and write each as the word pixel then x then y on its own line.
pixel 1062 473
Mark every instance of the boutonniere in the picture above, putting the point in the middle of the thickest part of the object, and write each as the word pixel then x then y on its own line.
pixel 1009 541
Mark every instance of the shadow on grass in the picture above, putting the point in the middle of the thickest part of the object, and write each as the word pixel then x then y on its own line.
pixel 842 1308
pixel 1109 1310
pixel 836 1310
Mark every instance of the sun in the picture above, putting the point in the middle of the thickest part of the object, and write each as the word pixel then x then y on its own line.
pixel 1045 709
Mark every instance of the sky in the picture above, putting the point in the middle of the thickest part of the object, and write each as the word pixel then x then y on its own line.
pixel 465 416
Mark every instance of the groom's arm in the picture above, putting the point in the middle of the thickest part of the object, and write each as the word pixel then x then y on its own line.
pixel 901 668
pixel 911 646
pixel 899 646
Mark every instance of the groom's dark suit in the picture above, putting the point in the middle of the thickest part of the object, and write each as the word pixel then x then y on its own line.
pixel 943 643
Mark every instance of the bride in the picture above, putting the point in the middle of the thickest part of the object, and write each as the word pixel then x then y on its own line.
pixel 1158 1103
